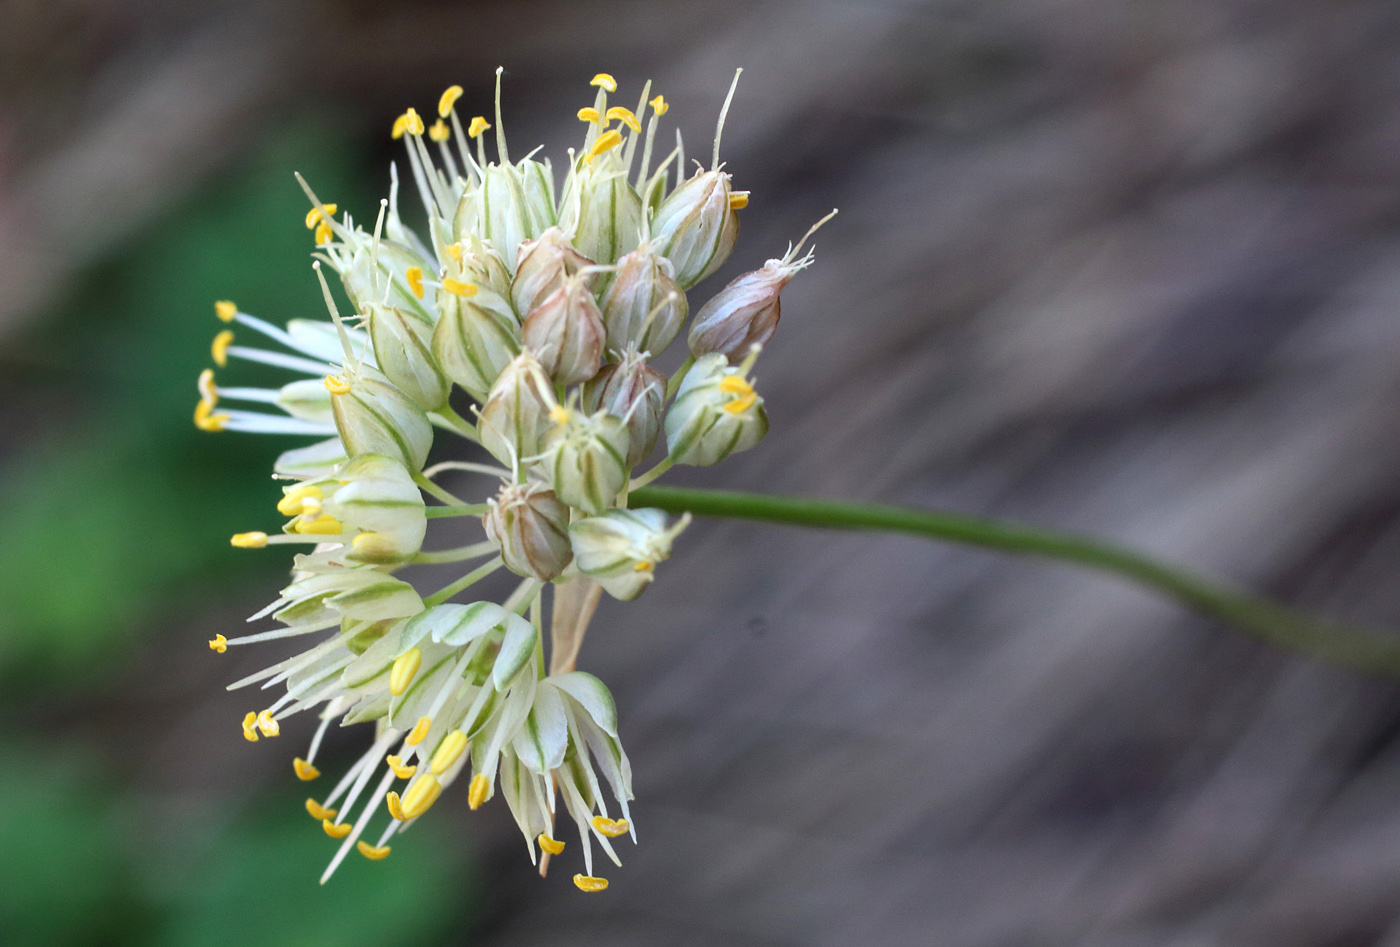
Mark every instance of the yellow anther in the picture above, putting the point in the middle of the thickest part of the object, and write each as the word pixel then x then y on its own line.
pixel 336 831
pixel 206 420
pixel 319 213
pixel 659 105
pixel 478 790
pixel 458 288
pixel 268 726
pixel 218 643
pixel 407 123
pixel 405 667
pixel 419 731
pixel 250 731
pixel 310 509
pixel 741 404
pixel 604 80
pixel 414 275
pixel 553 846
pixel 305 771
pixel 454 250
pixel 644 566
pixel 612 828
pixel 449 98
pixel 438 132
pixel 318 811
pixel 400 771
pixel 420 796
pixel 610 139
pixel 395 806
pixel 589 883
pixel 337 385
pixel 207 392
pixel 373 852
pixel 625 116
pixel 291 502
pixel 219 347
pixel 589 114
pixel 373 547
pixel 478 125
pixel 560 415
pixel 253 540
pixel 448 752
pixel 323 525
pixel 324 233
pixel 744 394
pixel 738 200
pixel 225 310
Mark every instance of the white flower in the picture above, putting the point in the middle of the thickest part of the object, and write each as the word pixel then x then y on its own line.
pixel 621 548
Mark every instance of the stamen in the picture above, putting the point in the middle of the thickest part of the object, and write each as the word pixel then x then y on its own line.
pixel 206 420
pixel 589 114
pixel 218 643
pixel 478 790
pixel 419 731
pixel 609 827
pixel 589 883
pixel 420 796
pixel 253 540
pixel 323 525
pixel 401 771
pixel 458 288
pixel 268 726
pixel 324 234
pixel 454 250
pixel 719 129
pixel 319 811
pixel 560 415
pixel 407 123
pixel 439 132
pixel 372 546
pixel 207 392
pixel 405 667
pixel 735 385
pixel 336 831
pixel 225 310
pixel 604 80
pixel 219 347
pixel 625 116
pixel 250 732
pixel 317 214
pixel 305 771
pixel 607 140
pixel 659 105
pixel 448 753
pixel 449 98
pixel 644 566
pixel 337 385
pixel 741 404
pixel 395 806
pixel 291 502
pixel 414 275
pixel 553 846
pixel 479 124
pixel 738 200
pixel 372 852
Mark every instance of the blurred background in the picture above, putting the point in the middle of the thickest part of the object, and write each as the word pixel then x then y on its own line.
pixel 1129 267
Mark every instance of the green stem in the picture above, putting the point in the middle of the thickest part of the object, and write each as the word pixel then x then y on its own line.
pixel 638 482
pixel 449 419
pixel 476 575
pixel 470 509
pixel 1264 619
pixel 459 554
pixel 434 490
pixel 674 384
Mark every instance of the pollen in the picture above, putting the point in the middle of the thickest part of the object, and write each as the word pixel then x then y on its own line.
pixel 225 310
pixel 407 123
pixel 373 547
pixel 336 831
pixel 738 200
pixel 319 811
pixel 625 116
pixel 206 420
pixel 319 214
pixel 253 540
pixel 604 80
pixel 395 806
pixel 373 852
pixel 659 105
pixel 207 392
pixel 454 250
pixel 589 883
pixel 449 99
pixel 400 771
pixel 448 753
pixel 324 233
pixel 744 394
pixel 589 114
pixel 219 348
pixel 414 275
pixel 323 525
pixel 438 132
pixel 612 828
pixel 250 732
pixel 419 731
pixel 458 288
pixel 560 415
pixel 479 789
pixel 337 385
pixel 420 796
pixel 404 668
pixel 268 726
pixel 479 124
pixel 304 770
pixel 606 141
pixel 644 566
pixel 553 846
pixel 218 643
pixel 293 502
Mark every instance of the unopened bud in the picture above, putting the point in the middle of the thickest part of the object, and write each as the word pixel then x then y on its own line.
pixel 716 412
pixel 696 227
pixel 600 211
pixel 636 392
pixel 475 339
pixel 368 271
pixel 531 528
pixel 540 268
pixel 513 203
pixel 743 314
pixel 620 549
pixel 516 412
pixel 586 457
pixel 375 417
pixel 566 332
pixel 401 348
pixel 643 306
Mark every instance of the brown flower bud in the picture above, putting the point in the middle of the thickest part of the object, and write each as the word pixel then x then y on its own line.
pixel 541 267
pixel 643 306
pixel 634 391
pixel 531 528
pixel 566 333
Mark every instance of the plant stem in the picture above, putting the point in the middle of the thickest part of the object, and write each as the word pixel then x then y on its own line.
pixel 1264 619
pixel 638 482
pixel 455 555
pixel 476 575
pixel 454 422
pixel 427 486
pixel 470 509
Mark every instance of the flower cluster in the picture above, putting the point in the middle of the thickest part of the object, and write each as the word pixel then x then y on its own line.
pixel 546 309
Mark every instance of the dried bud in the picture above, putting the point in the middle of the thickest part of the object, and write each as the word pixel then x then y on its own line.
pixel 696 227
pixel 634 391
pixel 566 332
pixel 400 342
pixel 600 211
pixel 475 339
pixel 374 417
pixel 514 202
pixel 716 412
pixel 541 266
pixel 531 528
pixel 643 305
pixel 586 457
pixel 515 415
pixel 621 548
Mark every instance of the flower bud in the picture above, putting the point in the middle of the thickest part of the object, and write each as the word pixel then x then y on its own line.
pixel 586 457
pixel 620 549
pixel 379 507
pixel 515 415
pixel 400 343
pixel 374 417
pixel 695 226
pixel 514 202
pixel 531 528
pixel 600 211
pixel 566 333
pixel 643 305
pixel 743 314
pixel 716 412
pixel 475 339
pixel 541 266
pixel 634 391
